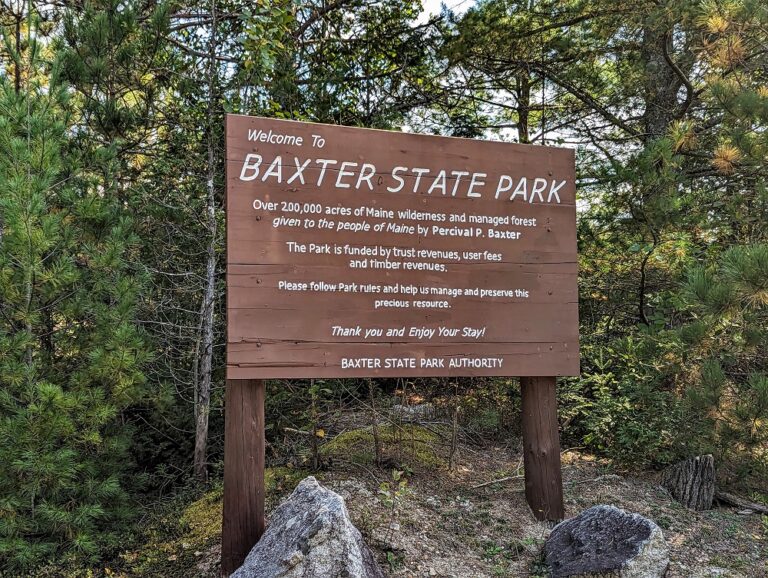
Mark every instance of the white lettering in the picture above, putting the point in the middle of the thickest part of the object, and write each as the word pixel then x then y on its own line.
pixel 438 183
pixel 363 176
pixel 538 186
pixel 324 163
pixel 476 182
pixel 505 183
pixel 553 191
pixel 299 170
pixel 399 178
pixel 458 174
pixel 419 173
pixel 343 173
pixel 275 169
pixel 521 189
pixel 252 162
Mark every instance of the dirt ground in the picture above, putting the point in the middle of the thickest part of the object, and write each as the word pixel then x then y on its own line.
pixel 448 520
pixel 443 524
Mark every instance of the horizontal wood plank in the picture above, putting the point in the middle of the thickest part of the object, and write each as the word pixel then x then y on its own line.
pixel 308 360
pixel 390 246
pixel 389 149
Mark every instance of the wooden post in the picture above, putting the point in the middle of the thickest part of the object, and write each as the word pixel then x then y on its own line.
pixel 541 448
pixel 243 522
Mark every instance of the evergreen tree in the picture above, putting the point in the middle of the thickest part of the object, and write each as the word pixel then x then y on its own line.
pixel 723 346
pixel 71 355
pixel 367 70
pixel 667 105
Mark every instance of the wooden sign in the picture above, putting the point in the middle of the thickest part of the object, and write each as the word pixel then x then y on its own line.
pixel 356 252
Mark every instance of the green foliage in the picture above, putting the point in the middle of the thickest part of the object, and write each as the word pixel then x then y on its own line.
pixel 394 491
pixel 108 52
pixel 111 126
pixel 725 374
pixel 667 106
pixel 620 408
pixel 71 353
pixel 362 65
pixel 699 387
pixel 393 495
pixel 267 25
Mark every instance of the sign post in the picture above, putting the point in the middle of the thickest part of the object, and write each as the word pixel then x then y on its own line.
pixel 243 522
pixel 365 253
pixel 541 448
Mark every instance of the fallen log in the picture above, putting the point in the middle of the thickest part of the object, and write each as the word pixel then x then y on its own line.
pixel 734 500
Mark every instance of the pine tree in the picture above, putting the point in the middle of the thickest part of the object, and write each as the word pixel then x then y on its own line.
pixel 71 355
pixel 724 345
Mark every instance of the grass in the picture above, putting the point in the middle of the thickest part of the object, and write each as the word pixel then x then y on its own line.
pixel 177 539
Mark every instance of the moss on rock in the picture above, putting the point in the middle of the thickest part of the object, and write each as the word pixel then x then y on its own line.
pixel 178 539
pixel 410 444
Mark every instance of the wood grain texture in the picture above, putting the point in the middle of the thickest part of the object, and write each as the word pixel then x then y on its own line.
pixel 243 516
pixel 307 360
pixel 541 448
pixel 253 234
pixel 692 482
pixel 276 331
pixel 388 149
pixel 739 502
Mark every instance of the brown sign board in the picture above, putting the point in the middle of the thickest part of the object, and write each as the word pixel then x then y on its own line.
pixel 356 252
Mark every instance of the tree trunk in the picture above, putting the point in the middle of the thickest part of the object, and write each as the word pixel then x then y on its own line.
pixel 692 482
pixel 661 106
pixel 374 424
pixel 523 107
pixel 203 401
pixel 661 83
pixel 202 410
pixel 17 65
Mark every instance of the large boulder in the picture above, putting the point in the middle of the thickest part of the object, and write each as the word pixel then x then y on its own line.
pixel 607 541
pixel 310 535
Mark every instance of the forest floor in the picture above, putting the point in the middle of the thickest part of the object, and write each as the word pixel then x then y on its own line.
pixel 451 522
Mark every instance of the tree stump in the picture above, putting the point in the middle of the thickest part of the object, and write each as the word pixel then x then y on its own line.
pixel 692 482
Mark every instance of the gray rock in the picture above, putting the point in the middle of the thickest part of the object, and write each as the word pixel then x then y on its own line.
pixel 607 541
pixel 310 535
pixel 415 413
